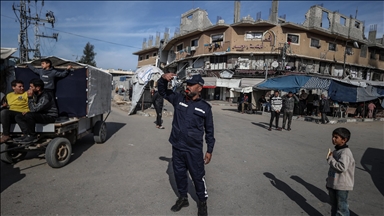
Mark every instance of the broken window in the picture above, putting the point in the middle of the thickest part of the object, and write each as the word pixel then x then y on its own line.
pixel 154 54
pixel 357 24
pixel 343 21
pixel 253 35
pixel 332 47
pixel 324 21
pixel 140 58
pixel 190 16
pixel 363 51
pixel 195 42
pixel 381 57
pixel 217 38
pixel 291 38
pixel 179 47
pixel 147 56
pixel 315 43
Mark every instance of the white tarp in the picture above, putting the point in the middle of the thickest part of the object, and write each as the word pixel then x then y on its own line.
pixel 141 78
pixel 7 52
pixel 229 83
pixel 246 82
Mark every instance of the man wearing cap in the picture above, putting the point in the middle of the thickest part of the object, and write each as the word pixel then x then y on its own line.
pixel 192 117
pixel 288 105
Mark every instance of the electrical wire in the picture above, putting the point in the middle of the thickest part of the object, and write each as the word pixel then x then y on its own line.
pixel 93 38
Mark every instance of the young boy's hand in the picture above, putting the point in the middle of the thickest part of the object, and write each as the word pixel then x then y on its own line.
pixel 329 153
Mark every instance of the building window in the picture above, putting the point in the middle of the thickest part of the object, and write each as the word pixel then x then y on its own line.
pixel 154 54
pixel 381 57
pixel 315 43
pixel 343 21
pixel 253 35
pixel 291 38
pixel 217 38
pixel 373 54
pixel 179 47
pixel 195 42
pixel 348 50
pixel 140 58
pixel 357 24
pixel 147 56
pixel 332 47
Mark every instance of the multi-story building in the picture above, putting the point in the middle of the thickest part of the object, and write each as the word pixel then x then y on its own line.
pixel 327 43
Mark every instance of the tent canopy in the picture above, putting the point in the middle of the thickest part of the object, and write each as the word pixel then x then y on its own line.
pixel 7 52
pixel 338 90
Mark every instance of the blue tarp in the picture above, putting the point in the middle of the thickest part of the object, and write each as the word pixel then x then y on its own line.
pixel 286 83
pixel 347 93
pixel 337 91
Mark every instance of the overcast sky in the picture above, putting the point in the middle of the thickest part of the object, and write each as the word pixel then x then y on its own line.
pixel 117 28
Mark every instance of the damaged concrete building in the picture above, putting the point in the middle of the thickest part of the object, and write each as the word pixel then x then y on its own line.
pixel 327 43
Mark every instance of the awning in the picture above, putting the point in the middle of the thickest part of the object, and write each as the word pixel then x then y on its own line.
pixel 209 82
pixel 228 83
pixel 247 89
pixel 7 52
pixel 250 82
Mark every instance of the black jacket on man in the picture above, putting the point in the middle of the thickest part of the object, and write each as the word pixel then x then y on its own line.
pixel 191 119
pixel 43 103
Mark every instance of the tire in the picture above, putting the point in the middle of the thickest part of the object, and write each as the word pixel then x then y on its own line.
pixel 11 157
pixel 58 152
pixel 100 132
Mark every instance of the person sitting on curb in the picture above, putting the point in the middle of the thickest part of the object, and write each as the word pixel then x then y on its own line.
pixel 17 101
pixel 42 110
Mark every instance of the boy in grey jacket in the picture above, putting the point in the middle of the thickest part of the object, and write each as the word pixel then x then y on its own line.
pixel 341 172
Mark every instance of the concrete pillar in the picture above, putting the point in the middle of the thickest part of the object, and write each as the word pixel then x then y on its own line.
pixel 236 16
pixel 274 12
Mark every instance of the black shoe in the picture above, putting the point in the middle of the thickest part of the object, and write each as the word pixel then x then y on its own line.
pixel 283 128
pixel 19 139
pixel 288 129
pixel 202 209
pixel 180 203
pixel 29 139
pixel 269 129
pixel 279 129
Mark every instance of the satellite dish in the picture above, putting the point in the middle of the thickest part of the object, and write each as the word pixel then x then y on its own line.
pixel 275 64
pixel 355 44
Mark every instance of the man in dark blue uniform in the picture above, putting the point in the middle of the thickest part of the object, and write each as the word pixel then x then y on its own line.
pixel 192 117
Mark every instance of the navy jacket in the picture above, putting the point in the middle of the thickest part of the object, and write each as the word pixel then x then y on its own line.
pixel 190 120
pixel 48 76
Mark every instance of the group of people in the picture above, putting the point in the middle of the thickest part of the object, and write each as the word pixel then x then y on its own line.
pixel 37 105
pixel 286 105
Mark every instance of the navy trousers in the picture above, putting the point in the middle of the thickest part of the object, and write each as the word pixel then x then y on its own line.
pixel 193 162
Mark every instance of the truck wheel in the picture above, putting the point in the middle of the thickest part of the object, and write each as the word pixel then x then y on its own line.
pixel 100 132
pixel 11 157
pixel 58 152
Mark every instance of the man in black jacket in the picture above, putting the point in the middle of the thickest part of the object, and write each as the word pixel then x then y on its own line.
pixel 158 103
pixel 192 118
pixel 42 110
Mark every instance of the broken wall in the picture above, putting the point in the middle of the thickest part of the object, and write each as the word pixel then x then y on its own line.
pixel 194 19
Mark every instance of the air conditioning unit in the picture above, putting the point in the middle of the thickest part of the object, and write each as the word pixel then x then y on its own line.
pixel 193 48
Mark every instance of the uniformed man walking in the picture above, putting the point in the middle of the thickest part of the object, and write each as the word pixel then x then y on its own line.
pixel 192 117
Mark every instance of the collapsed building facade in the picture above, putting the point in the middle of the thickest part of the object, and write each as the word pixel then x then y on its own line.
pixel 327 43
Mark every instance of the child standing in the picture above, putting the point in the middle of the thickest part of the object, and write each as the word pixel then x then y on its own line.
pixel 341 172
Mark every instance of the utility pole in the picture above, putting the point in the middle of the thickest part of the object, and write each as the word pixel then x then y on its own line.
pixel 25 20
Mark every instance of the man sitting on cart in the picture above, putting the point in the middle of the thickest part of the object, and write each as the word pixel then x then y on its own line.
pixel 42 110
pixel 15 103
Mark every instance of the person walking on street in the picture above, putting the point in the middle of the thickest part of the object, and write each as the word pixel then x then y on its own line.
pixel 324 108
pixel 276 105
pixel 16 103
pixel 288 105
pixel 244 103
pixel 192 118
pixel 158 103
